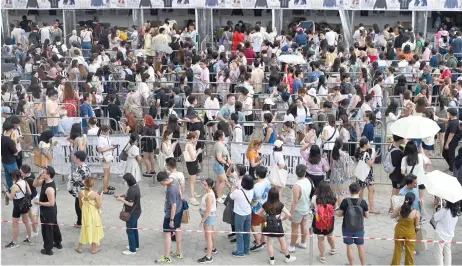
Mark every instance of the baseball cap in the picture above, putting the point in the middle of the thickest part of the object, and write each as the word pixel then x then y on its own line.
pixel 278 143
pixel 6 110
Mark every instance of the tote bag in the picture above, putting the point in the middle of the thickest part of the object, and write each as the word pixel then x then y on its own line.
pixel 278 176
pixel 362 170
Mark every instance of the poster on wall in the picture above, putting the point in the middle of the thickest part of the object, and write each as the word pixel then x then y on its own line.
pixel 7 4
pixel 180 3
pixel 119 3
pixel 385 4
pixel 145 3
pixel 94 3
pixel 451 4
pixel 351 4
pixel 36 4
pixel 301 4
pixel 69 4
pixel 261 4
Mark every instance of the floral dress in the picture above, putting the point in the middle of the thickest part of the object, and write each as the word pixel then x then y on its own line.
pixel 341 175
pixel 369 181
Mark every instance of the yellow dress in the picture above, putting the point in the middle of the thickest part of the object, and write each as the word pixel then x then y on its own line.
pixel 91 230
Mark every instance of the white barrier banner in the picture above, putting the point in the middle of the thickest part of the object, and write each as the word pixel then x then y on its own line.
pixel 61 155
pixel 291 154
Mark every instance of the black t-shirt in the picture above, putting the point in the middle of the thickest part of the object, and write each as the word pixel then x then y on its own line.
pixel 133 195
pixel 30 180
pixel 344 207
pixel 25 25
pixel 396 158
pixel 8 150
pixel 453 127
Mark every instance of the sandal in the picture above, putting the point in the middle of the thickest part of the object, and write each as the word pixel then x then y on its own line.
pixel 78 250
pixel 109 192
pixel 333 251
pixel 94 252
pixel 322 259
pixel 111 188
pixel 390 211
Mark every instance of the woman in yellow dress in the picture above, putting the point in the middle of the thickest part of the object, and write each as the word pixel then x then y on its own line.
pixel 91 231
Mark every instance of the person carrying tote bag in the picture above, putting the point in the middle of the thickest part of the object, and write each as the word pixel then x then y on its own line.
pixel 278 175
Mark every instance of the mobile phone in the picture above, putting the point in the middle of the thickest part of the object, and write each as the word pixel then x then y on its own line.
pixel 100 190
pixel 115 196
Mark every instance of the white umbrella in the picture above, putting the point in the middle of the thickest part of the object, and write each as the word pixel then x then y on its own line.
pixel 292 59
pixel 162 47
pixel 415 127
pixel 443 185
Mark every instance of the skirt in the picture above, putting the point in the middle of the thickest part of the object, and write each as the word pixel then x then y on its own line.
pixel 192 167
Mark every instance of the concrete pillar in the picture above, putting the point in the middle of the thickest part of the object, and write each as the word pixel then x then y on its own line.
pixel 420 22
pixel 69 24
pixel 277 19
pixel 5 24
pixel 347 35
pixel 204 25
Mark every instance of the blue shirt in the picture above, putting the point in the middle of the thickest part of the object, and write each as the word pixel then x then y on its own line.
pixel 415 190
pixel 298 84
pixel 457 46
pixel 260 194
pixel 86 110
pixel 301 39
pixel 428 78
pixel 314 76
pixel 368 131
pixel 434 61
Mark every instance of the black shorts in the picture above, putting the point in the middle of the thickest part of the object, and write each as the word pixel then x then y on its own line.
pixel 421 187
pixel 397 185
pixel 319 232
pixel 16 211
pixel 192 167
pixel 176 222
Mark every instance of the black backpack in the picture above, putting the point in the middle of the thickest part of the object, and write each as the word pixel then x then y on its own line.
pixel 25 204
pixel 129 77
pixel 354 216
pixel 273 225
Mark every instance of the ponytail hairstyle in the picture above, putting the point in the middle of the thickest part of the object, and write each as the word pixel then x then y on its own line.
pixel 102 129
pixel 362 142
pixel 336 150
pixel 406 209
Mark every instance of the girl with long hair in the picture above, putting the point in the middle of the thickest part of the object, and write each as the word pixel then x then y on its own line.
pixel 220 161
pixel 362 153
pixel 208 212
pixel 317 165
pixel 324 197
pixel 406 228
pixel 254 156
pixel 105 149
pixel 414 162
pixel 70 100
pixel 273 206
pixel 149 144
pixel 191 155
pixel 446 220
pixel 341 176
pixel 134 159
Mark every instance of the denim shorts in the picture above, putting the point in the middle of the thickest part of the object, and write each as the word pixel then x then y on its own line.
pixel 211 220
pixel 350 241
pixel 218 169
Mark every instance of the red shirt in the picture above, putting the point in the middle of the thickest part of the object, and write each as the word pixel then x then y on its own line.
pixel 238 38
pixel 446 74
pixel 250 55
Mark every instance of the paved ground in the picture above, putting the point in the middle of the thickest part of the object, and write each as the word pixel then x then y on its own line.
pixel 151 246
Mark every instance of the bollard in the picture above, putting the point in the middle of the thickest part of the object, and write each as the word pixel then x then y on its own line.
pixel 310 258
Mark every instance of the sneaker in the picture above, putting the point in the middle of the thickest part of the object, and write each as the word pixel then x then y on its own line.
pixel 237 255
pixel 291 249
pixel 193 202
pixel 301 245
pixel 291 259
pixel 221 200
pixel 271 262
pixel 233 240
pixel 257 248
pixel 423 220
pixel 128 252
pixel 28 242
pixel 205 260
pixel 232 235
pixel 214 251
pixel 177 255
pixel 48 252
pixel 197 195
pixel 128 247
pixel 12 245
pixel 165 260
pixel 36 234
pixel 58 246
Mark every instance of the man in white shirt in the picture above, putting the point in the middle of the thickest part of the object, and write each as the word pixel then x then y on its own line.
pixel 237 129
pixel 358 32
pixel 45 32
pixel 257 77
pixel 331 37
pixel 257 39
pixel 377 89
pixel 59 48
pixel 204 77
pixel 18 35
pixel 74 37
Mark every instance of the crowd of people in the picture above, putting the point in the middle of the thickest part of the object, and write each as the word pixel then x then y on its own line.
pixel 337 107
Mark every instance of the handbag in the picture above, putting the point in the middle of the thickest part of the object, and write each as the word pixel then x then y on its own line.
pixel 278 176
pixel 362 170
pixel 186 217
pixel 228 212
pixel 123 156
pixel 42 159
pixel 107 155
pixel 125 216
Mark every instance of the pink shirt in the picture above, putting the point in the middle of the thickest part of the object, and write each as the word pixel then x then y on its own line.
pixel 52 111
pixel 319 169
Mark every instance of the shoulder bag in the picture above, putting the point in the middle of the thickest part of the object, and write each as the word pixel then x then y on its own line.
pixel 278 176
pixel 123 156
pixel 331 137
pixel 185 218
pixel 362 169
pixel 124 215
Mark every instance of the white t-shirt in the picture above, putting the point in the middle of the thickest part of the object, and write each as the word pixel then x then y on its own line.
pixel 331 37
pixel 279 158
pixel 93 131
pixel 241 205
pixel 105 143
pixel 178 176
pixel 257 39
pixel 237 134
pixel 419 170
pixel 301 114
pixel 330 131
pixel 446 224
